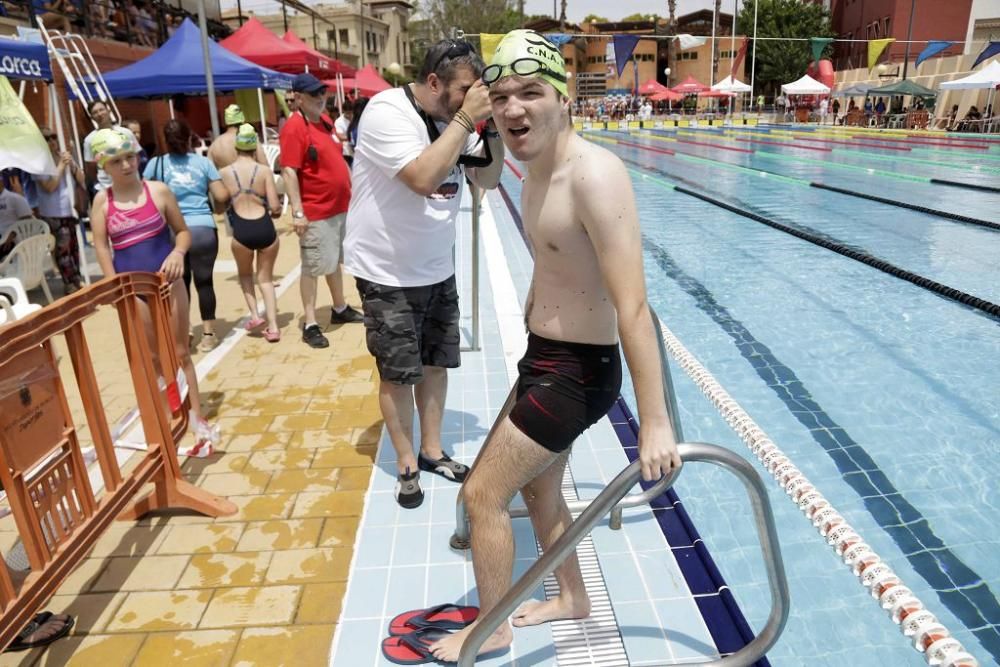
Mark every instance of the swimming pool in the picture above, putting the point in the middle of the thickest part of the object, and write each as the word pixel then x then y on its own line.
pixel 882 392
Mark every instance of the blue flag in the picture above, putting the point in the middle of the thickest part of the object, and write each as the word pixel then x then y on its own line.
pixel 991 50
pixel 932 49
pixel 558 38
pixel 624 46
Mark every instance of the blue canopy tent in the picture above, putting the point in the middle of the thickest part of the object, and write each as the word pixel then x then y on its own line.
pixel 179 67
pixel 24 60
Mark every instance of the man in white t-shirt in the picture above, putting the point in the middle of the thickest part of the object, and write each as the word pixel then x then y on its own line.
pixel 416 146
pixel 823 106
pixel 100 113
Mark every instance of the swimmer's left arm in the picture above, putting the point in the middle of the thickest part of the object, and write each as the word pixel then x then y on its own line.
pixel 488 177
pixel 606 205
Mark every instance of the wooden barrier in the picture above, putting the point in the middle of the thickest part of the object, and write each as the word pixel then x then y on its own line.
pixel 57 514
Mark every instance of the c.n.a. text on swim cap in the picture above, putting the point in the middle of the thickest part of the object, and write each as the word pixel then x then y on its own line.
pixel 16 66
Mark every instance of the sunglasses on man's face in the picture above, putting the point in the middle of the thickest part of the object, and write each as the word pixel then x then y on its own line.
pixel 456 49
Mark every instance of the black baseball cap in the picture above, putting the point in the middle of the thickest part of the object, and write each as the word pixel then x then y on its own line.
pixel 307 83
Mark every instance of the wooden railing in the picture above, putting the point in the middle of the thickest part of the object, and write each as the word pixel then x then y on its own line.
pixel 57 513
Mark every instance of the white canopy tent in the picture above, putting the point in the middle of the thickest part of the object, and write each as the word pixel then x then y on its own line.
pixel 987 77
pixel 731 85
pixel 805 86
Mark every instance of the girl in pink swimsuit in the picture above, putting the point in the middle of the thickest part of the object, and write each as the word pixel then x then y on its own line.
pixel 135 218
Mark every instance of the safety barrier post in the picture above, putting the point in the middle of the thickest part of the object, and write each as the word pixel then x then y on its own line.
pixel 56 512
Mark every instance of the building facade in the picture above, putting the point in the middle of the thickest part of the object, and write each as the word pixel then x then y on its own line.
pixel 590 60
pixel 374 32
pixel 881 19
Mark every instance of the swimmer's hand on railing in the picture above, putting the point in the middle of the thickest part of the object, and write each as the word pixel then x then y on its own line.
pixel 658 454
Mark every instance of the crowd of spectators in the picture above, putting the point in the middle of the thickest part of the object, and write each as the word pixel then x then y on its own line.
pixel 146 23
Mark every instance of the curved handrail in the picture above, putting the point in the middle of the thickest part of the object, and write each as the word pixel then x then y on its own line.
pixel 608 498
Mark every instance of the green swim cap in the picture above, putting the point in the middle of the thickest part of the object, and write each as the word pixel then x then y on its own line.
pixel 234 115
pixel 110 143
pixel 528 53
pixel 246 138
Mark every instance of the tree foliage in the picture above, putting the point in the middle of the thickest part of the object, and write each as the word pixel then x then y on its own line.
pixel 594 18
pixel 471 16
pixel 640 17
pixel 782 61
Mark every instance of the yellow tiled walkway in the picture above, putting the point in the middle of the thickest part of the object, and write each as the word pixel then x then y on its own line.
pixel 262 587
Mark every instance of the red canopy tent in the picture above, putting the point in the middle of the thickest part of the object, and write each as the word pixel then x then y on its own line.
pixel 367 82
pixel 716 93
pixel 690 86
pixel 652 87
pixel 259 45
pixel 666 95
pixel 329 67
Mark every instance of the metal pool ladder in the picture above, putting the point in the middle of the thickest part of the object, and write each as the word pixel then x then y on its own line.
pixel 614 498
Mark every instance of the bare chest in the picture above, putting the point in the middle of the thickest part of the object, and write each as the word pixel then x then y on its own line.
pixel 552 226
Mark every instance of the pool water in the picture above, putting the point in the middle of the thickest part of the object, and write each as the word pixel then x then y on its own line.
pixel 884 394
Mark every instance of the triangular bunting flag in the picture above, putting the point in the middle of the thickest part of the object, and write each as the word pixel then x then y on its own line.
pixel 818 44
pixel 740 55
pixel 991 50
pixel 558 38
pixel 624 46
pixel 21 142
pixel 690 41
pixel 932 49
pixel 875 49
pixel 487 45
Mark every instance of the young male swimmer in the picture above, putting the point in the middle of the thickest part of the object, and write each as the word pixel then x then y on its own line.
pixel 587 293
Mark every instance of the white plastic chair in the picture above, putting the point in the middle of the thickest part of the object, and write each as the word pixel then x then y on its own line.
pixel 273 154
pixel 28 260
pixel 25 228
pixel 14 302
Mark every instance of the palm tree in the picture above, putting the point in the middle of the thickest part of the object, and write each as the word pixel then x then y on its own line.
pixel 671 30
pixel 715 45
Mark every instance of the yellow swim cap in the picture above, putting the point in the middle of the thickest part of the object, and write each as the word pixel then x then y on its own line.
pixel 528 53
pixel 246 138
pixel 234 115
pixel 110 143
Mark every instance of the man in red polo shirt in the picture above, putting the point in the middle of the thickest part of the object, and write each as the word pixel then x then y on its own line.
pixel 318 184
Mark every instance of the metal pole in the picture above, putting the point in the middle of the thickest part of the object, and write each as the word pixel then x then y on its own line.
pixel 711 67
pixel 213 111
pixel 263 118
pixel 475 266
pixel 284 14
pixel 753 56
pixel 239 13
pixel 909 33
pixel 732 45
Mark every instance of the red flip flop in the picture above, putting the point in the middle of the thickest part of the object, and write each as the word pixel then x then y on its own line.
pixel 446 616
pixel 412 648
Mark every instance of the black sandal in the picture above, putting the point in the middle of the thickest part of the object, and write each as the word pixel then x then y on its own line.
pixel 43 629
pixel 444 466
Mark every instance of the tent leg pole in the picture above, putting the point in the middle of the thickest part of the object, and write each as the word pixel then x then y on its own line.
pixel 170 103
pixel 263 118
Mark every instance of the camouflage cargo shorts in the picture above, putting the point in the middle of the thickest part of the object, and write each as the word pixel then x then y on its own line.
pixel 408 328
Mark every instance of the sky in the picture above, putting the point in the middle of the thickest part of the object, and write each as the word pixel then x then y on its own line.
pixel 577 9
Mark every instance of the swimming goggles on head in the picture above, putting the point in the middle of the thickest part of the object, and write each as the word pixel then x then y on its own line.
pixel 521 67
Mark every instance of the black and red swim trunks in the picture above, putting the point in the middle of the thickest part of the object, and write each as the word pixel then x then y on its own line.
pixel 563 389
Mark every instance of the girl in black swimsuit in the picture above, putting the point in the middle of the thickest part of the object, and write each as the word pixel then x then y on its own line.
pixel 251 188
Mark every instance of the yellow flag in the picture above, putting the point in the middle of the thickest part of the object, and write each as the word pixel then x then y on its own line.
pixel 21 143
pixel 488 44
pixel 247 99
pixel 875 49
